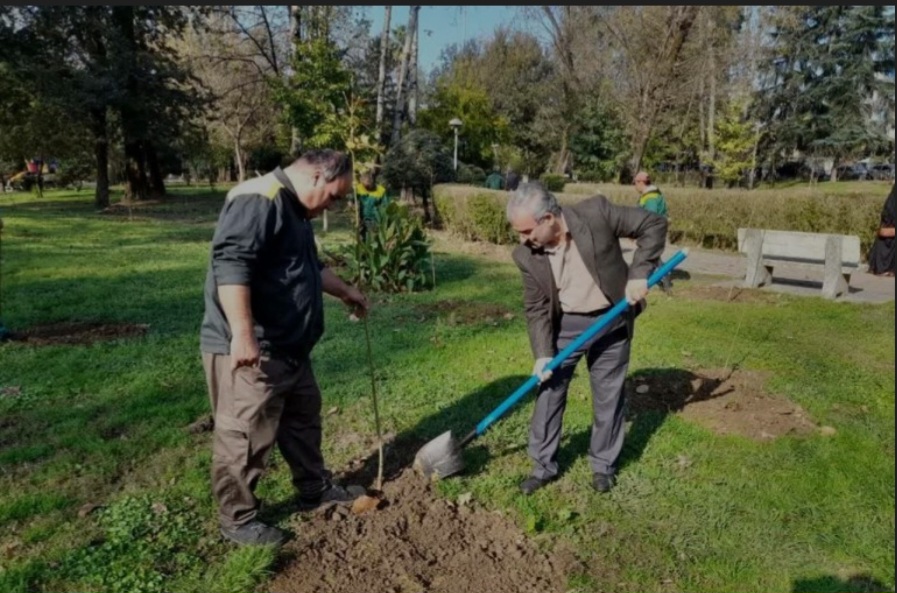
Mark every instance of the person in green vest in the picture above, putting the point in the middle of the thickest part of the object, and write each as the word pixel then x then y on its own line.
pixel 369 196
pixel 494 180
pixel 652 200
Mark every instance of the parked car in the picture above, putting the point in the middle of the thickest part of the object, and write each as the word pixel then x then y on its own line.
pixel 883 172
pixel 852 172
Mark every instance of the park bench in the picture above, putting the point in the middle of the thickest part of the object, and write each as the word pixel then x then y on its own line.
pixel 838 256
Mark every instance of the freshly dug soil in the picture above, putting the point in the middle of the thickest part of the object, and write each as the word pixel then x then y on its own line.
pixel 724 401
pixel 418 542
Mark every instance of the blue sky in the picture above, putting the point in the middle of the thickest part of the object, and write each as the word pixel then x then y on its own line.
pixel 441 26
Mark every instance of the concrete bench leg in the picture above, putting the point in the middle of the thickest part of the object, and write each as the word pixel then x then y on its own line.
pixel 757 274
pixel 834 282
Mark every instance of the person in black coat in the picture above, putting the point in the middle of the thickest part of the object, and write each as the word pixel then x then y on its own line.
pixel 881 258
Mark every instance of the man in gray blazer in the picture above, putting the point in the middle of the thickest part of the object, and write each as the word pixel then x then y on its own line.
pixel 573 271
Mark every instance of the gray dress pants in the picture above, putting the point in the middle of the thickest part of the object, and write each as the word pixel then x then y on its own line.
pixel 607 357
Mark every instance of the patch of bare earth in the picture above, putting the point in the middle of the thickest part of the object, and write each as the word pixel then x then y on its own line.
pixel 464 312
pixel 418 542
pixel 726 401
pixel 77 333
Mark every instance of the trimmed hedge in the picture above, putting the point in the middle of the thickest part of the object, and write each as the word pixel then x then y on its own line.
pixel 706 218
pixel 553 182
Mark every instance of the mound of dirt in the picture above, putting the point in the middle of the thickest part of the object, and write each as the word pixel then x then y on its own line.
pixel 726 401
pixel 77 333
pixel 418 542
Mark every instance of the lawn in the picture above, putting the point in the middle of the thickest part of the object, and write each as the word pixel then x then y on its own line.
pixel 103 487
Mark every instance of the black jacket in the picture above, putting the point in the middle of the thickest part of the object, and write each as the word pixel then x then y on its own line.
pixel 264 240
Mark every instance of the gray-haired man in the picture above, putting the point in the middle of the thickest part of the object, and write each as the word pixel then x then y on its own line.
pixel 573 271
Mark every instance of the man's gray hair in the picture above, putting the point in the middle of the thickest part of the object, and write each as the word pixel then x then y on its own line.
pixel 333 164
pixel 532 198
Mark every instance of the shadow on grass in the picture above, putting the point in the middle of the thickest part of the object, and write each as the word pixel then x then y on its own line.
pixel 860 583
pixel 461 416
pixel 669 391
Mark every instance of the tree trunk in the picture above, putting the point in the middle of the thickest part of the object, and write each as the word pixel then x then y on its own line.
pixel 412 78
pixel 403 70
pixel 156 181
pixel 295 40
pixel 381 76
pixel 136 183
pixel 238 158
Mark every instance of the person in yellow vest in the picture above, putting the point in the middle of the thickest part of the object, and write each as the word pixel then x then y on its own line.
pixel 369 196
pixel 652 200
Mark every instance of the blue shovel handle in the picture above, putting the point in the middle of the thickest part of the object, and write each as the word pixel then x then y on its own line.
pixel 593 329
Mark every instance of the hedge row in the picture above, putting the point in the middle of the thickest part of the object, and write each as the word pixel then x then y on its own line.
pixel 706 218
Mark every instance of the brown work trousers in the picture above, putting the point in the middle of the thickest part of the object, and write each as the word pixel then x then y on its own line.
pixel 253 407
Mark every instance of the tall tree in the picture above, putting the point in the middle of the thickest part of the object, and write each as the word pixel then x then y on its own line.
pixel 403 74
pixel 381 75
pixel 646 72
pixel 828 67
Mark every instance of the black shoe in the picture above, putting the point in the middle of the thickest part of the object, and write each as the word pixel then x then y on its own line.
pixel 532 483
pixel 254 533
pixel 331 495
pixel 603 482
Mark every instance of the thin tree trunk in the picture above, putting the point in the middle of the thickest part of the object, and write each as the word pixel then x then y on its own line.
pixel 403 69
pixel 412 78
pixel 238 158
pixel 381 76
pixel 295 40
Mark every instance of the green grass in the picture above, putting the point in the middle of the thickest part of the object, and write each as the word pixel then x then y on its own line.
pixel 105 424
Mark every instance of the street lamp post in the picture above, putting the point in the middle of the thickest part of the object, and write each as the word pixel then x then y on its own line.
pixel 456 123
pixel 495 154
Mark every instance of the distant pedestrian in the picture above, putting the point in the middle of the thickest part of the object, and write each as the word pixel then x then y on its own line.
pixel 494 180
pixel 512 179
pixel 652 200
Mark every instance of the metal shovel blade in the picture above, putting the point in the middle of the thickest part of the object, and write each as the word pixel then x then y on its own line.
pixel 439 458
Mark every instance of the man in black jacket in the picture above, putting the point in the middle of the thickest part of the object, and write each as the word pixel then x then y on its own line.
pixel 263 315
pixel 573 272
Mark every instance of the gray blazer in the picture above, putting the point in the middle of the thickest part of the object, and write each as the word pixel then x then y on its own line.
pixel 596 225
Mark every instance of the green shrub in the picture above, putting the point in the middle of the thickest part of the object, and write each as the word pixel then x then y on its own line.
pixel 553 182
pixel 471 175
pixel 395 254
pixel 487 214
pixel 474 215
pixel 707 218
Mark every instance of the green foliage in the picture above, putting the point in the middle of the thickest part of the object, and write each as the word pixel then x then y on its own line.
pixel 734 144
pixel 316 95
pixel 712 218
pixel 417 161
pixel 597 142
pixel 394 255
pixel 476 216
pixel 145 543
pixel 553 182
pixel 482 126
pixel 470 174
pixel 826 64
pixel 487 213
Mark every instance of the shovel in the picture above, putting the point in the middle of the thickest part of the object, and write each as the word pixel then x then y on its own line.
pixel 441 457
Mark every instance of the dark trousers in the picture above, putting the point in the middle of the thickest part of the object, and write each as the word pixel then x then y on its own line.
pixel 607 357
pixel 254 407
